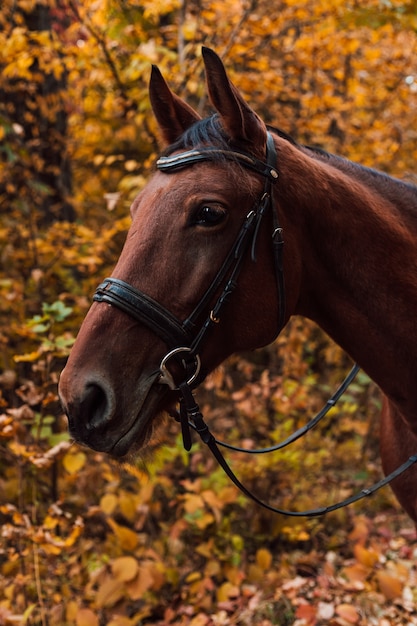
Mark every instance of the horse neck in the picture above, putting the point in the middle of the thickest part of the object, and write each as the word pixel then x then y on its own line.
pixel 357 237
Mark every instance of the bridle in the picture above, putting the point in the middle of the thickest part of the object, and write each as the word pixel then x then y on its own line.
pixel 185 338
pixel 185 334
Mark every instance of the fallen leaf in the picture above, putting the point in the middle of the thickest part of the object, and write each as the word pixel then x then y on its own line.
pixel 74 461
pixel 119 620
pixel 144 580
pixel 390 586
pixel 264 559
pixel 226 591
pixel 325 610
pixel 307 613
pixel 86 617
pixel 348 613
pixel 367 557
pixel 125 568
pixel 128 539
pixel 109 593
pixel 108 503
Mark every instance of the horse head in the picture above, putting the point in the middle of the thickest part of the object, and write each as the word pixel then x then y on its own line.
pixel 190 215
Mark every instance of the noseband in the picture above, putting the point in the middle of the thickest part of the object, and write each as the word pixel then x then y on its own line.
pixel 184 338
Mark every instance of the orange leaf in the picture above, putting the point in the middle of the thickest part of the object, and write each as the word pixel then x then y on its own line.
pixel 193 502
pixel 119 620
pixel 125 568
pixel 360 531
pixel 128 539
pixel 109 593
pixel 367 557
pixel 144 580
pixel 86 617
pixel 200 620
pixel 356 574
pixel 348 613
pixel 306 612
pixel 389 585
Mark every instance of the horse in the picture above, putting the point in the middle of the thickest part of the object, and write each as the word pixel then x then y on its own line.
pixel 205 273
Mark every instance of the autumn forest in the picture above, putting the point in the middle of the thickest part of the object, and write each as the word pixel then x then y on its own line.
pixel 167 539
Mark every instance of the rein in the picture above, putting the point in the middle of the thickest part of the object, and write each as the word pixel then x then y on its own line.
pixel 184 338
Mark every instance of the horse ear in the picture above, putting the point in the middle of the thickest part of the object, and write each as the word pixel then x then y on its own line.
pixel 173 115
pixel 237 117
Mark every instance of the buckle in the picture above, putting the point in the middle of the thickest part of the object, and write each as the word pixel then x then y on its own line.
pixel 166 377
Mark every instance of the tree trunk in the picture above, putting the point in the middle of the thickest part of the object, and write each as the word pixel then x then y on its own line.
pixel 35 174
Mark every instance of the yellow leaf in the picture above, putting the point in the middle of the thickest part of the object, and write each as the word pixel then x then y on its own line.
pixel 192 577
pixel 264 558
pixel 193 502
pixel 86 617
pixel 255 573
pixel 109 593
pixel 128 539
pixel 71 610
pixel 204 521
pixel 29 357
pixel 226 591
pixel 74 461
pixel 128 505
pixel 125 568
pixel 212 568
pixel 108 503
pixel 205 549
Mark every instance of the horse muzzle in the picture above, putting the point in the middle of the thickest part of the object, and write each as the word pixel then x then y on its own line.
pixel 99 417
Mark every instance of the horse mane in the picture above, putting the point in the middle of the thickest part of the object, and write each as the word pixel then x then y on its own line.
pixel 209 131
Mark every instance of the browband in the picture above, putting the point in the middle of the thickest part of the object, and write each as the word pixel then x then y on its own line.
pixel 185 159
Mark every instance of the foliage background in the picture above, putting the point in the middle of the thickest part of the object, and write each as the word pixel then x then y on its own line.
pixel 84 541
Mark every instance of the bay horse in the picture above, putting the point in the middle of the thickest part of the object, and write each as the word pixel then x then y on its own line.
pixel 202 274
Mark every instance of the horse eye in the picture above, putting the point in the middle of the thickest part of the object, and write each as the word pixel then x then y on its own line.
pixel 209 215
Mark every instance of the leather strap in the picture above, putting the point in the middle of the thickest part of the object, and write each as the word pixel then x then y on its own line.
pixel 185 159
pixel 143 309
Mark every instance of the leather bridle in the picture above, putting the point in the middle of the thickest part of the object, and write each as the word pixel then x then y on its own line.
pixel 185 338
pixel 186 334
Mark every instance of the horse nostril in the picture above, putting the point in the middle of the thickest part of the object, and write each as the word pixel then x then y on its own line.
pixel 95 406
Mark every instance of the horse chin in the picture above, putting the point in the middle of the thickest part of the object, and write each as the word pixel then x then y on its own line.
pixel 143 433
